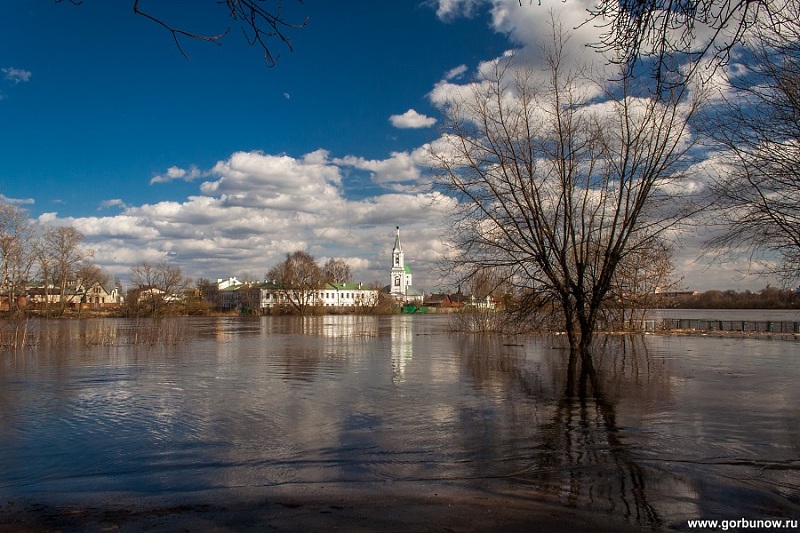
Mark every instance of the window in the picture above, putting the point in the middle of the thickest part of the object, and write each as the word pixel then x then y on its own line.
pixel 397 281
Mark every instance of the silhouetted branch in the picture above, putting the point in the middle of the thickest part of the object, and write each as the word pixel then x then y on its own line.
pixel 260 24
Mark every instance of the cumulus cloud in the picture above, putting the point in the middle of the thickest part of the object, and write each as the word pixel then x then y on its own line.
pixel 529 28
pixel 255 179
pixel 400 170
pixel 411 119
pixel 16 75
pixel 257 207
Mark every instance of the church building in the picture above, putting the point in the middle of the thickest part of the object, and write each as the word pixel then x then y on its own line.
pixel 400 284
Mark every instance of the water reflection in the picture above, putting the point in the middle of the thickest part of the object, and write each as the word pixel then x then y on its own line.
pixel 655 430
pixel 402 346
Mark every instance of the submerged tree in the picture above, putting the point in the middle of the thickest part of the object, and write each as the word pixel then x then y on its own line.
pixel 558 185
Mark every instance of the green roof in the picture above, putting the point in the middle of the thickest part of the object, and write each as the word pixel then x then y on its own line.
pixel 407 269
pixel 347 286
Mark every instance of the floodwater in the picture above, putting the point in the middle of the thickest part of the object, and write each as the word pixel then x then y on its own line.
pixel 660 431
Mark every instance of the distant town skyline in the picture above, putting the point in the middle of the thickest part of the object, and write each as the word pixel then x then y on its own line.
pixel 222 165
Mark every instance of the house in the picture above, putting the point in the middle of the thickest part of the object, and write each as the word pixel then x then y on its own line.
pixel 6 300
pixel 228 283
pixel 94 296
pixel 347 295
pixel 439 301
pixel 149 293
pixel 229 297
pixel 98 295
pixel 39 297
pixel 261 297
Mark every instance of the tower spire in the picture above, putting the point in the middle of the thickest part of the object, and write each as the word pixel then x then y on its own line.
pixel 397 246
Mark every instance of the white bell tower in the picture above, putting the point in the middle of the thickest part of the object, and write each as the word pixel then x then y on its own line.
pixel 400 274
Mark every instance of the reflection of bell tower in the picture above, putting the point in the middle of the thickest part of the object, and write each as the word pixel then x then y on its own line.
pixel 400 274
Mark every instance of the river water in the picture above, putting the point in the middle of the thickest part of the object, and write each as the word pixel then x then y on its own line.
pixel 662 430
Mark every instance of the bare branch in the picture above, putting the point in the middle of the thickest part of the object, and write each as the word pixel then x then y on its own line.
pixel 262 22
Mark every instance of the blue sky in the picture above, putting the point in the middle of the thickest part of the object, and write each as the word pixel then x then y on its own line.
pixel 223 165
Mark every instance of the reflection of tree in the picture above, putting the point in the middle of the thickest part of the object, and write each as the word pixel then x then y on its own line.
pixel 577 452
pixel 584 434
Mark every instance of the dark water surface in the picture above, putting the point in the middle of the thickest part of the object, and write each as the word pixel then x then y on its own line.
pixel 662 430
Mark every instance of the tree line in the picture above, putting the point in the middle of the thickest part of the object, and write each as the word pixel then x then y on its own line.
pixel 53 262
pixel 160 289
pixel 50 257
pixel 767 298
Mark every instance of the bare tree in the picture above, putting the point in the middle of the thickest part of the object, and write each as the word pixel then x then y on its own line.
pixel 337 271
pixel 158 285
pixel 640 277
pixel 758 191
pixel 261 22
pixel 16 257
pixel 299 278
pixel 63 245
pixel 556 188
pixel 44 264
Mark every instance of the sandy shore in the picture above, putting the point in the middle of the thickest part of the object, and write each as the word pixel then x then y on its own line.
pixel 307 508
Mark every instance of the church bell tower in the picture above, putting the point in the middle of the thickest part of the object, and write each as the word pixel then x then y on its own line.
pixel 400 273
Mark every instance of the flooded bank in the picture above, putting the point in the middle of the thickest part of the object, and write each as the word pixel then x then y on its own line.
pixel 660 430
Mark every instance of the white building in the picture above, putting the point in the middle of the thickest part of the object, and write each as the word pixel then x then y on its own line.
pixel 400 284
pixel 261 297
pixel 347 295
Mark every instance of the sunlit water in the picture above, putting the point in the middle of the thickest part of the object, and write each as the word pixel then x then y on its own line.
pixel 667 428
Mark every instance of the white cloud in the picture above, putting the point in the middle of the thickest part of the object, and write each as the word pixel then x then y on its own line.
pixel 116 202
pixel 412 119
pixel 177 173
pixel 449 9
pixel 16 201
pixel 456 72
pixel 254 179
pixel 260 207
pixel 400 168
pixel 16 75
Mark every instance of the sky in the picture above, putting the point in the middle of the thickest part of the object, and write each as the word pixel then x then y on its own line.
pixel 222 165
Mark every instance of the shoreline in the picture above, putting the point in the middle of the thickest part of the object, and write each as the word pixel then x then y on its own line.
pixel 401 506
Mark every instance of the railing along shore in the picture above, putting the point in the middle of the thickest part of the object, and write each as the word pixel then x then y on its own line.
pixel 742 326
